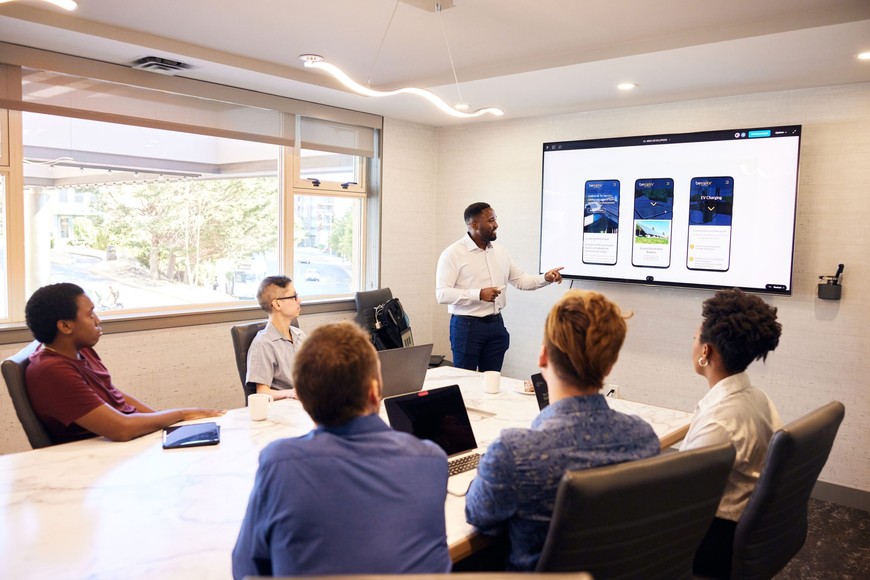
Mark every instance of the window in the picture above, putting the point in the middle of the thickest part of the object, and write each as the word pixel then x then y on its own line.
pixel 4 296
pixel 323 166
pixel 327 245
pixel 144 218
pixel 180 194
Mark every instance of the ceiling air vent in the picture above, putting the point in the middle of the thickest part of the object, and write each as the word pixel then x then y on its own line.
pixel 163 66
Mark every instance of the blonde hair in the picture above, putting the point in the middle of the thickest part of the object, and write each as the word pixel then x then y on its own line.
pixel 583 334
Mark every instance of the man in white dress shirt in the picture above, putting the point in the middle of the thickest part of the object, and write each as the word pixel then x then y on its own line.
pixel 472 275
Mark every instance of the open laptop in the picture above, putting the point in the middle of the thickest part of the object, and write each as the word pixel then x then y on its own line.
pixel 404 369
pixel 440 416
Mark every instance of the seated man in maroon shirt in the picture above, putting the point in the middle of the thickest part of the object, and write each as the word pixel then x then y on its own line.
pixel 70 389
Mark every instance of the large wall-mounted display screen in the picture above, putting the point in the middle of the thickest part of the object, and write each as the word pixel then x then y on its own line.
pixel 714 209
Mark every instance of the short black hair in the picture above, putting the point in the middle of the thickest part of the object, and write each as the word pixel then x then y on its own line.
pixel 48 306
pixel 264 297
pixel 474 210
pixel 741 327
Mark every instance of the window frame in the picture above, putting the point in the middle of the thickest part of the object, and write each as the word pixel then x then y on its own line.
pixel 11 165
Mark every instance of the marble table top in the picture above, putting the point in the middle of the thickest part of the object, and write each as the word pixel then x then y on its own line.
pixel 97 509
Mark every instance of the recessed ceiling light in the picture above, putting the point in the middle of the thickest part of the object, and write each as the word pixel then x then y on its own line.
pixel 864 55
pixel 626 86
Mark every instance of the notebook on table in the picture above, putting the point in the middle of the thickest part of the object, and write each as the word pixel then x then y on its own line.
pixel 404 369
pixel 440 416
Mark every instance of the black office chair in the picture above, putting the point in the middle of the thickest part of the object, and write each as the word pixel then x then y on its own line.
pixel 453 576
pixel 366 302
pixel 641 519
pixel 773 527
pixel 243 335
pixel 13 369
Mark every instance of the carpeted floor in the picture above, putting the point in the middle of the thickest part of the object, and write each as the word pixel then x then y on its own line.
pixel 837 546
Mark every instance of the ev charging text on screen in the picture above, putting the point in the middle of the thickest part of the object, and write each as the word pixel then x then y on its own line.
pixel 653 216
pixel 600 221
pixel 711 204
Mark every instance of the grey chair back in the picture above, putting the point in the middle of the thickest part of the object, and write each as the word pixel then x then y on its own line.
pixel 365 306
pixel 366 302
pixel 452 576
pixel 641 519
pixel 773 527
pixel 13 369
pixel 243 335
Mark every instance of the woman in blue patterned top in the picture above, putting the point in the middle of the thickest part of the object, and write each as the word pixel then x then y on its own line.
pixel 518 477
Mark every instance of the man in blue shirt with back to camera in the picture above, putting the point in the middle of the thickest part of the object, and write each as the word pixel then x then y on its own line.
pixel 517 480
pixel 352 496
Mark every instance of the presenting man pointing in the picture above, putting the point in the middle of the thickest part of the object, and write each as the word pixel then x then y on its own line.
pixel 471 277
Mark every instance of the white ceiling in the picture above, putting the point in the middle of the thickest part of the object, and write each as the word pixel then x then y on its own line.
pixel 527 57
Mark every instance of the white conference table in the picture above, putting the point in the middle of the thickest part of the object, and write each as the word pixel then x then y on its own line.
pixel 97 509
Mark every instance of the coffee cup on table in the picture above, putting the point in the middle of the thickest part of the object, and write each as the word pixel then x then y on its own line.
pixel 491 382
pixel 258 405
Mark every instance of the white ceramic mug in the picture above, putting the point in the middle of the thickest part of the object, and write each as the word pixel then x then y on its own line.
pixel 258 405
pixel 491 382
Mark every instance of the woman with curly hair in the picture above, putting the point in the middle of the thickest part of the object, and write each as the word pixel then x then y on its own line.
pixel 737 329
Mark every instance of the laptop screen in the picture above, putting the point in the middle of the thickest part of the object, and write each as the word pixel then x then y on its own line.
pixel 438 415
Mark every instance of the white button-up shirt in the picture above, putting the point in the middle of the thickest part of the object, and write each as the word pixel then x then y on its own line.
pixel 735 412
pixel 464 269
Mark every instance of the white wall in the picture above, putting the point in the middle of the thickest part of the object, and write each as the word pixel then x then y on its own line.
pixel 430 175
pixel 824 348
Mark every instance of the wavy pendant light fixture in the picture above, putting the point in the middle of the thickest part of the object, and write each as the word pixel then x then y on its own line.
pixel 318 62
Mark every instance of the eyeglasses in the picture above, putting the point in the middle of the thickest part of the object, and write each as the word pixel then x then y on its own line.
pixel 294 297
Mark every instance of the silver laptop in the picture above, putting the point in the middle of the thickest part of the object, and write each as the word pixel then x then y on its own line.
pixel 404 369
pixel 440 416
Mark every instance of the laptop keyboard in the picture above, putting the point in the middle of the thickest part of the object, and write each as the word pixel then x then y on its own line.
pixel 463 464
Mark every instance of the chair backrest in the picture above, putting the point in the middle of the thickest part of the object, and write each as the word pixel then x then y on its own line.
pixel 13 369
pixel 365 306
pixel 641 519
pixel 773 527
pixel 451 576
pixel 243 335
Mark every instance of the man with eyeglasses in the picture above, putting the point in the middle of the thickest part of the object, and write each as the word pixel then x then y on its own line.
pixel 271 354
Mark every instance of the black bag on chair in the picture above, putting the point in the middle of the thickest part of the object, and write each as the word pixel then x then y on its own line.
pixel 391 325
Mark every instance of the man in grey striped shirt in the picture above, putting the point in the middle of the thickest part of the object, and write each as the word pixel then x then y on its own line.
pixel 270 357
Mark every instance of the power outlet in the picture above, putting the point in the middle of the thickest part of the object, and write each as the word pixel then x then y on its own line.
pixel 611 390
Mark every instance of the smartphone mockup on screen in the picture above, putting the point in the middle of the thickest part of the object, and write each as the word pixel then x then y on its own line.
pixel 600 221
pixel 711 203
pixel 653 217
